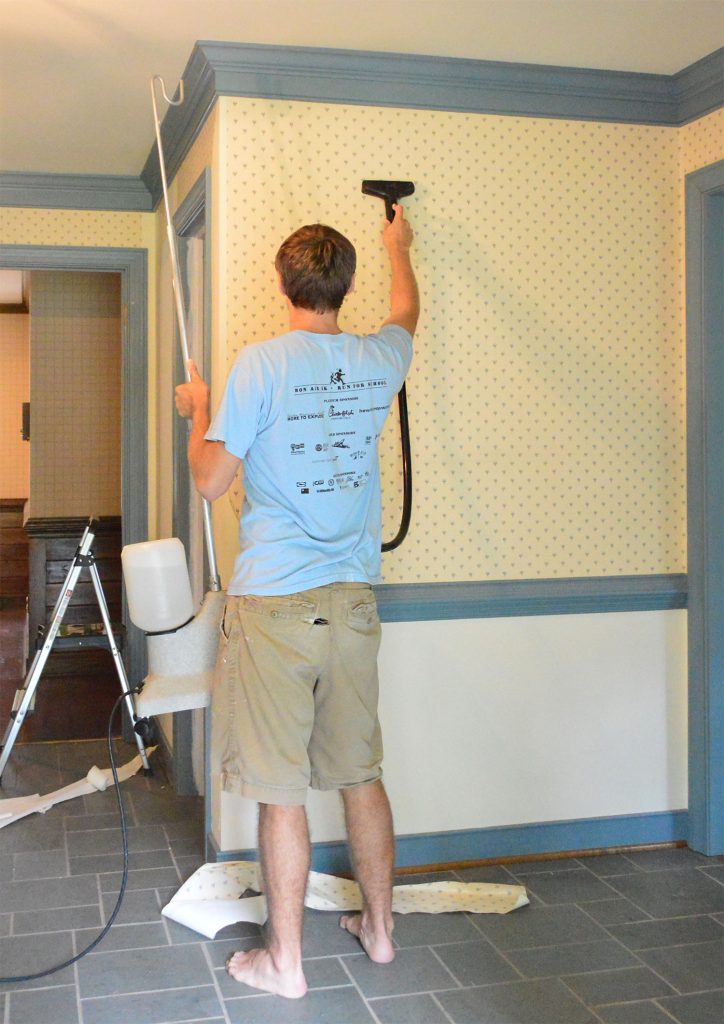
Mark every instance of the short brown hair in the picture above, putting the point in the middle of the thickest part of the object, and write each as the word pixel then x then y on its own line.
pixel 316 265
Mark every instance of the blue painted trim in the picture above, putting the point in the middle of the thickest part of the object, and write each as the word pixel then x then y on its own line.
pixel 699 89
pixel 535 839
pixel 437 83
pixel 75 191
pixel 399 602
pixel 705 500
pixel 195 205
pixel 428 83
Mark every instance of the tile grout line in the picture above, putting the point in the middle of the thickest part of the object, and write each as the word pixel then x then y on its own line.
pixel 674 945
pixel 641 962
pixel 359 991
pixel 502 953
pixel 620 896
pixel 150 992
pixel 432 994
pixel 164 922
pixel 436 1001
pixel 173 855
pixel 663 1009
pixel 101 908
pixel 698 992
pixel 653 1000
pixel 445 966
pixel 553 945
pixel 580 999
pixel 76 971
pixel 215 982
pixel 78 1000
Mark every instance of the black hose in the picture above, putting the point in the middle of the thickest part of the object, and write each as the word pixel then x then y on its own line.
pixel 406 474
pixel 124 880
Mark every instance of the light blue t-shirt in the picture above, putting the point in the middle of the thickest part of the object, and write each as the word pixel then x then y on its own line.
pixel 305 412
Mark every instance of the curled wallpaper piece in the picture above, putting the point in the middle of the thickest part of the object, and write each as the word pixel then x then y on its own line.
pixel 97 780
pixel 213 897
pixel 470 897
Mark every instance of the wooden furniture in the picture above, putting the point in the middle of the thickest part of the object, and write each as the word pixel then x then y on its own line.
pixel 13 554
pixel 79 684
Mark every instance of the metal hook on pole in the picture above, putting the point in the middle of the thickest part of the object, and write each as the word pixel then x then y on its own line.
pixel 171 102
pixel 214 579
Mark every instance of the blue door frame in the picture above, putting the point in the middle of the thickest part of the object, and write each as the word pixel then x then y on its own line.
pixel 705 500
pixel 195 209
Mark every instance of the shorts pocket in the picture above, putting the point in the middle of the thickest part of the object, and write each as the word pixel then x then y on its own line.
pixel 227 620
pixel 361 613
pixel 290 606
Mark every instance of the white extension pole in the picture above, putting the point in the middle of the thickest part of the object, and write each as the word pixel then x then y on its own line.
pixel 214 580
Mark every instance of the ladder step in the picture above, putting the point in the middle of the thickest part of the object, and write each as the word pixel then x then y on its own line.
pixel 19 697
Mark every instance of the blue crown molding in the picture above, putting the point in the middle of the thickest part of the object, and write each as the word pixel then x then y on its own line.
pixel 429 83
pixel 699 89
pixel 75 191
pixel 380 79
pixel 420 602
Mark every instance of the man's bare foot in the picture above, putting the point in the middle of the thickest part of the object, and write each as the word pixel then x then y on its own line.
pixel 257 968
pixel 377 945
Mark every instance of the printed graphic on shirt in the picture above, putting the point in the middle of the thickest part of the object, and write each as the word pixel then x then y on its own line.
pixel 340 443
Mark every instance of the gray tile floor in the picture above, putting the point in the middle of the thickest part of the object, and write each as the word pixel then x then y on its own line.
pixel 634 939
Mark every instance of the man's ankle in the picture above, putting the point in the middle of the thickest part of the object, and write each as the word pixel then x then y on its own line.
pixel 285 961
pixel 377 924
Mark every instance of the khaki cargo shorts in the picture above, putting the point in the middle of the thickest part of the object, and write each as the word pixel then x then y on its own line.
pixel 295 696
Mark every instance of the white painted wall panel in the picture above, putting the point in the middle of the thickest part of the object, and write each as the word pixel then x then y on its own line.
pixel 507 721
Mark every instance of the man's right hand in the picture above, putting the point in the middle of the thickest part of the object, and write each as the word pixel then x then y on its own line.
pixel 404 297
pixel 193 397
pixel 397 235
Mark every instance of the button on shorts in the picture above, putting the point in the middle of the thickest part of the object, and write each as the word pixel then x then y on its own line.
pixel 296 690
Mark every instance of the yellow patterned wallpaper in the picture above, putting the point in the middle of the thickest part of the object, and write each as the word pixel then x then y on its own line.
pixel 75 437
pixel 30 226
pixel 14 390
pixel 701 143
pixel 547 390
pixel 162 380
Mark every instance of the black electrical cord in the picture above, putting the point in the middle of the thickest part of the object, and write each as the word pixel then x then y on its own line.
pixel 124 880
pixel 390 545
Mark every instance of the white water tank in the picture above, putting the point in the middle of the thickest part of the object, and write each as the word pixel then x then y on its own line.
pixel 157 584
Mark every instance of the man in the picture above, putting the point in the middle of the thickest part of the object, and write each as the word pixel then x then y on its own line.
pixel 304 413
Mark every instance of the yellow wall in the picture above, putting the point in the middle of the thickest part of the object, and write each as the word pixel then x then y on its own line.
pixel 29 226
pixel 701 143
pixel 202 155
pixel 14 390
pixel 547 392
pixel 75 393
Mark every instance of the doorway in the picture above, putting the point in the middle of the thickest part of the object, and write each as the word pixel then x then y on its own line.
pixel 129 270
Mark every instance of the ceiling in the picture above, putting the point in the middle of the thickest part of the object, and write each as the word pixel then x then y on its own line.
pixel 74 94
